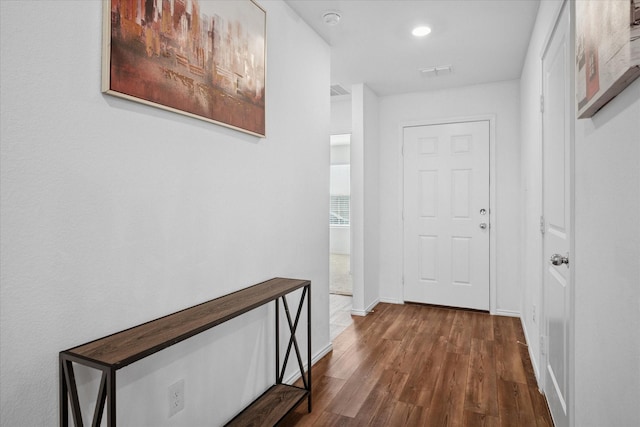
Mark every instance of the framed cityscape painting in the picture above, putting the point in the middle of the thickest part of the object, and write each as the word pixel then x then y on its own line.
pixel 607 51
pixel 202 58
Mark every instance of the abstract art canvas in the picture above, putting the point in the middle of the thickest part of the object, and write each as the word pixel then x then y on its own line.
pixel 202 58
pixel 607 51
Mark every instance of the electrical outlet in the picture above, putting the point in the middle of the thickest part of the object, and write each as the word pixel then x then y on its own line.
pixel 176 397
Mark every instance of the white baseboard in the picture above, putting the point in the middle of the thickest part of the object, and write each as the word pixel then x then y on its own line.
pixel 322 353
pixel 314 359
pixel 366 310
pixel 534 361
pixel 391 301
pixel 372 306
pixel 507 313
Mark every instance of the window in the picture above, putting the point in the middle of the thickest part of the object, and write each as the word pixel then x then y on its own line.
pixel 339 210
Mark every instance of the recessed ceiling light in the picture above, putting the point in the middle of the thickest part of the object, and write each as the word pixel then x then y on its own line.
pixel 421 31
pixel 331 18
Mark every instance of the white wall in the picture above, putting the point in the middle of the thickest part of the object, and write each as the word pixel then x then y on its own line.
pixel 115 213
pixel 499 99
pixel 606 262
pixel 340 239
pixel 341 154
pixel 364 198
pixel 370 124
pixel 341 114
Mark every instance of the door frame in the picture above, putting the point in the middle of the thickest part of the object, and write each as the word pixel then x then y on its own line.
pixel 542 356
pixel 491 118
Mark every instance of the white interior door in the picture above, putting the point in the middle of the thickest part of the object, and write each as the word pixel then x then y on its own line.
pixel 446 214
pixel 556 134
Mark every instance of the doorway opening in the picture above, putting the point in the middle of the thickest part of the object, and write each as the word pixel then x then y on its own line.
pixel 340 278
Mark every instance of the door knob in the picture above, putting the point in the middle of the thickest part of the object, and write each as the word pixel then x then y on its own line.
pixel 557 259
pixel 483 225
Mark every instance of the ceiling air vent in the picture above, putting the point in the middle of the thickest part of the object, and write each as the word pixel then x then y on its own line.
pixel 337 90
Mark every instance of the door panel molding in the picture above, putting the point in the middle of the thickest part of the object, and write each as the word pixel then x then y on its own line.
pixel 491 215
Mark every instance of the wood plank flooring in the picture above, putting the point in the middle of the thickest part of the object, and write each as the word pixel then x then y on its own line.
pixel 339 314
pixel 415 365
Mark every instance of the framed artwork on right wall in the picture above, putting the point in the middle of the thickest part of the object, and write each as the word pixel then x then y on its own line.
pixel 607 51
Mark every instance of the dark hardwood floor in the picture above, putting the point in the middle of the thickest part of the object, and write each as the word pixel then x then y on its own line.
pixel 415 365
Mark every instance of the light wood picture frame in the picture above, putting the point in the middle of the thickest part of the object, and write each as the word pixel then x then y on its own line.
pixel 202 58
pixel 607 51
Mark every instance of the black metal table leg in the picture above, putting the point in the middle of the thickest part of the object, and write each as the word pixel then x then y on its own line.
pixel 111 397
pixel 277 342
pixel 64 395
pixel 308 287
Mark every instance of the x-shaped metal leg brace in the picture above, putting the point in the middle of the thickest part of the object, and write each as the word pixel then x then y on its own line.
pixel 69 394
pixel 293 342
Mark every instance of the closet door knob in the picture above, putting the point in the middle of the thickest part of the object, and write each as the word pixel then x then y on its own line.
pixel 557 259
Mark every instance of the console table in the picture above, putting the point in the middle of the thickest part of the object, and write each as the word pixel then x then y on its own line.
pixel 116 351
